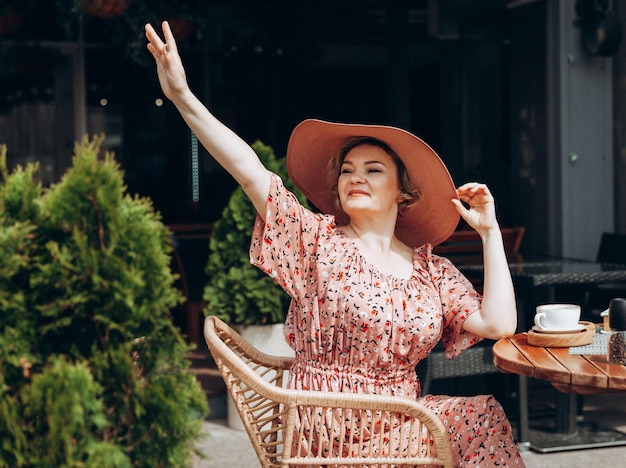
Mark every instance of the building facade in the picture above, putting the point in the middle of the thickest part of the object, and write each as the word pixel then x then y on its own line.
pixel 502 89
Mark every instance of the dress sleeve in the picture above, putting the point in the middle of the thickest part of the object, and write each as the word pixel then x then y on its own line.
pixel 459 299
pixel 283 244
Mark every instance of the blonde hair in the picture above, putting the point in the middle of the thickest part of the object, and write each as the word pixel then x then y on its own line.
pixel 409 194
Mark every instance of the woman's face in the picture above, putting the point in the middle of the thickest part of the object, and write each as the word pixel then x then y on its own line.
pixel 368 181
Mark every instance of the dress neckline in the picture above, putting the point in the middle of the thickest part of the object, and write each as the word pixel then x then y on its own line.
pixel 374 268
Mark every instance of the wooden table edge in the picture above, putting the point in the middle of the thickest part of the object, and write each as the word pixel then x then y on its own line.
pixel 522 366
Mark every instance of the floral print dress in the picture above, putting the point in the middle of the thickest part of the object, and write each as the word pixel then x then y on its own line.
pixel 356 329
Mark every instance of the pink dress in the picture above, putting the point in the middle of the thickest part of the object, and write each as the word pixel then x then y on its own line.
pixel 356 329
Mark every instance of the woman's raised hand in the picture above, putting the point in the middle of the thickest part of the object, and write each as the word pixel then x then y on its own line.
pixel 169 65
pixel 481 214
pixel 230 151
pixel 498 312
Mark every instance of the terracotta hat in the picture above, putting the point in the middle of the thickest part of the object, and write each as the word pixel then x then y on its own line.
pixel 313 143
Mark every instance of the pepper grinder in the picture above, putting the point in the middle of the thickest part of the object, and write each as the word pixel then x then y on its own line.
pixel 616 352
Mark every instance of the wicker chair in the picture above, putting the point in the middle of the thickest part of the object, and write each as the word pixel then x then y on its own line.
pixel 270 413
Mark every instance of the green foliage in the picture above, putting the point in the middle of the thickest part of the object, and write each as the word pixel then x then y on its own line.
pixel 238 292
pixel 92 369
pixel 66 412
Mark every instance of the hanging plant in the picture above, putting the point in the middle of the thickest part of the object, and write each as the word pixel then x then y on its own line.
pixel 120 23
pixel 105 8
pixel 13 13
pixel 185 16
pixel 181 27
pixel 10 21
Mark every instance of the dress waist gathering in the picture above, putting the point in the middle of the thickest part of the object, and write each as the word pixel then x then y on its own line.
pixel 380 376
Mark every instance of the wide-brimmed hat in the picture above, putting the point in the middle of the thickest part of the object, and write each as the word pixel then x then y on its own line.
pixel 313 143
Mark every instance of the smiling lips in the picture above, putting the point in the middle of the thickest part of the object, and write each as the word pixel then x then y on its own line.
pixel 353 193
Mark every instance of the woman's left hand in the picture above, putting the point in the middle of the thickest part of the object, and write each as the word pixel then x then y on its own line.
pixel 481 214
pixel 497 317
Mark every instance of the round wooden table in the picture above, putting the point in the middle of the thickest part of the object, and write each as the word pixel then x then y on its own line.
pixel 571 373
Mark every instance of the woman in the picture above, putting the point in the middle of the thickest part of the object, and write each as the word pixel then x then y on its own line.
pixel 369 299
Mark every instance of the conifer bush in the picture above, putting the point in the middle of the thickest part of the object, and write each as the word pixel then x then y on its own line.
pixel 238 292
pixel 92 369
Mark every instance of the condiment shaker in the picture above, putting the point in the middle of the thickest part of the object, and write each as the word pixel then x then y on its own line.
pixel 616 351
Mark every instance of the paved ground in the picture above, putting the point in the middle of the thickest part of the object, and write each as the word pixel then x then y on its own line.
pixel 226 447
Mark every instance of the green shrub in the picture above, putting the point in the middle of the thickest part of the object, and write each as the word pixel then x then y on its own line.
pixel 92 369
pixel 238 292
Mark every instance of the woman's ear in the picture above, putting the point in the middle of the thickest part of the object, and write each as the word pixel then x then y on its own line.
pixel 403 196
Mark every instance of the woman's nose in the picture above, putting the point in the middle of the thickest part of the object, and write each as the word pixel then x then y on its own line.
pixel 356 177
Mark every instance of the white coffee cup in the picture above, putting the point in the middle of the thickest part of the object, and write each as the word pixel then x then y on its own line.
pixel 557 317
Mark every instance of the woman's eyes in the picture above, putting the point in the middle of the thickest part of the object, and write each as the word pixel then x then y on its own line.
pixel 369 169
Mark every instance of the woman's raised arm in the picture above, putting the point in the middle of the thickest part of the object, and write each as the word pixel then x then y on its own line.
pixel 230 151
pixel 498 314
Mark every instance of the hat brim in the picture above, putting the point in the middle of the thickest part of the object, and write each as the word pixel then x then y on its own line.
pixel 314 142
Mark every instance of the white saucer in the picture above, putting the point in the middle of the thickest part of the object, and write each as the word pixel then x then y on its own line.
pixel 579 327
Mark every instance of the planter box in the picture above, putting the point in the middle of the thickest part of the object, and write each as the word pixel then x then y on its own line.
pixel 269 339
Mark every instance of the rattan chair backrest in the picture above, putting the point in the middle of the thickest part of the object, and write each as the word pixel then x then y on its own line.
pixel 307 428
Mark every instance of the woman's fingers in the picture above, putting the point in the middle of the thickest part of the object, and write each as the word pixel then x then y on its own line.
pixel 460 208
pixel 474 192
pixel 170 42
pixel 155 45
pixel 472 188
pixel 153 38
